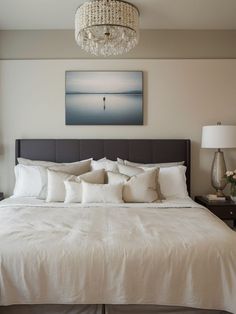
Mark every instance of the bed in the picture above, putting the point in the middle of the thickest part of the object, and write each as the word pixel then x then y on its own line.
pixel 169 257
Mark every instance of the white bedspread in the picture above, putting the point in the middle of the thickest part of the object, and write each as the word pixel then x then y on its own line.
pixel 173 253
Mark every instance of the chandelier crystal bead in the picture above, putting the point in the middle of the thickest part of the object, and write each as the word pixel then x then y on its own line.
pixel 107 27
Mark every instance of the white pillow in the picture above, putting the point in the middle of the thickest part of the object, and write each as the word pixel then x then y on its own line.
pixel 29 180
pixel 74 187
pixel 173 182
pixel 140 188
pixel 104 163
pixel 56 188
pixel 101 193
pixel 159 165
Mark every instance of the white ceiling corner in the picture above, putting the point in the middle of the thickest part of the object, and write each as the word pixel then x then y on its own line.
pixel 154 14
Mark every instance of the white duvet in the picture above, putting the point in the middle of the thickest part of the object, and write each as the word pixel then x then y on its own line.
pixel 173 253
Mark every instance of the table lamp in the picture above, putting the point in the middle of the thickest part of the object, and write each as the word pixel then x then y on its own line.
pixel 218 136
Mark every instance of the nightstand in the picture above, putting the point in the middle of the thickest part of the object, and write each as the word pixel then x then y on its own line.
pixel 1 196
pixel 225 210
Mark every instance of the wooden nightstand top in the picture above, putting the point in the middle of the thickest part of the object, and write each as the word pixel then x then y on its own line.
pixel 225 210
pixel 202 200
pixel 1 196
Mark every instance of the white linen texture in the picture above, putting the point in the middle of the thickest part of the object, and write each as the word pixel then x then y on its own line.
pixel 73 185
pixel 102 193
pixel 156 253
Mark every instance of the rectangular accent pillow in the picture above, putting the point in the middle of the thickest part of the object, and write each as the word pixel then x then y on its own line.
pixel 101 193
pixel 29 180
pixel 74 186
pixel 139 188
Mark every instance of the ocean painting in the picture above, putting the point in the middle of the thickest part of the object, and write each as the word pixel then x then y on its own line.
pixel 104 98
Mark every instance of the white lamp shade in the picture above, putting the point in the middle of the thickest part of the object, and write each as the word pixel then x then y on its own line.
pixel 219 136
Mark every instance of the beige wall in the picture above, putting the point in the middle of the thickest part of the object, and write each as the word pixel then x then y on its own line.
pixel 180 97
pixel 162 44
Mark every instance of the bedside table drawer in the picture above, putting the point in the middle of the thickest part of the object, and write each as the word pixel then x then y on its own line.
pixel 224 212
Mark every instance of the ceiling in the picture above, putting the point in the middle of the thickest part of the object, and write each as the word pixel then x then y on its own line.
pixel 154 14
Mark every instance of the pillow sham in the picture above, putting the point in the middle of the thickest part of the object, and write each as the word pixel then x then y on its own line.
pixel 101 193
pixel 30 162
pixel 173 182
pixel 140 188
pixel 73 186
pixel 29 180
pixel 132 171
pixel 129 170
pixel 159 165
pixel 76 168
pixel 104 163
pixel 56 188
pixel 116 177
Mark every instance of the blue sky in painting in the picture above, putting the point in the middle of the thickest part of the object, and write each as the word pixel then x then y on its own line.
pixel 79 82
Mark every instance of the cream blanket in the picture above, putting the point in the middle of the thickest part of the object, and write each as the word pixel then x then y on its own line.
pixel 174 253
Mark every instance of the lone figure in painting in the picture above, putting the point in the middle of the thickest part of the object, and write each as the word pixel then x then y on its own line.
pixel 104 103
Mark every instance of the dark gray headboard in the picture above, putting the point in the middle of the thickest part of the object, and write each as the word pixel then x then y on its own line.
pixel 69 150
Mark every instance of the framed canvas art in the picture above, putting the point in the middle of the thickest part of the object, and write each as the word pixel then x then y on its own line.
pixel 104 98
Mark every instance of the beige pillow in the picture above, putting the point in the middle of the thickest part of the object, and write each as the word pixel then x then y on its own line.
pixel 75 168
pixel 104 163
pixel 159 165
pixel 73 186
pixel 116 178
pixel 29 162
pixel 47 164
pixel 140 188
pixel 129 170
pixel 101 193
pixel 132 171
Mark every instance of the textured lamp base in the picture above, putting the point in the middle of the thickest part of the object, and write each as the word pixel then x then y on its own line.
pixel 220 193
pixel 218 172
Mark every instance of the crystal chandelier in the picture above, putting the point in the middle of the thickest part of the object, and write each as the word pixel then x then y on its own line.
pixel 107 27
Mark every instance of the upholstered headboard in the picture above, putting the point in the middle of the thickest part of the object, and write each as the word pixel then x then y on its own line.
pixel 69 150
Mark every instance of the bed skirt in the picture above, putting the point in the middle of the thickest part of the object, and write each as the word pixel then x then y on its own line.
pixel 52 309
pixel 101 309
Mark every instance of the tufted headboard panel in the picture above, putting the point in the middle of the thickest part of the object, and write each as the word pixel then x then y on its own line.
pixel 143 151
